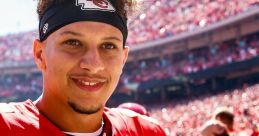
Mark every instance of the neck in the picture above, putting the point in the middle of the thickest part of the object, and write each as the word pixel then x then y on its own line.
pixel 65 118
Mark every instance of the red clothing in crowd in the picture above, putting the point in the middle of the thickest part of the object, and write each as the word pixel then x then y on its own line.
pixel 24 119
pixel 255 132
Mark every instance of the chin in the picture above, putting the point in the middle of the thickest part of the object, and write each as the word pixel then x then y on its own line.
pixel 88 109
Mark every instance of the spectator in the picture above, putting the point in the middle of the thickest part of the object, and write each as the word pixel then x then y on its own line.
pixel 221 123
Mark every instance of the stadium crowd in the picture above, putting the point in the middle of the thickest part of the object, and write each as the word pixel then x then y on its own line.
pixel 192 61
pixel 178 118
pixel 19 87
pixel 158 68
pixel 16 48
pixel 181 117
pixel 184 118
pixel 153 24
pixel 159 19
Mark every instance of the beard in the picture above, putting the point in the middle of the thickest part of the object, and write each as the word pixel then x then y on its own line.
pixel 84 110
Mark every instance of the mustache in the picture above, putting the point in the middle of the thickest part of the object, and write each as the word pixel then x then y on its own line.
pixel 88 75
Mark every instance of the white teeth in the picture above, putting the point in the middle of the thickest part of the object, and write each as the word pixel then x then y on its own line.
pixel 92 84
pixel 88 83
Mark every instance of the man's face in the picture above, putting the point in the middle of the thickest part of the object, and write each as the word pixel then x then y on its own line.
pixel 81 64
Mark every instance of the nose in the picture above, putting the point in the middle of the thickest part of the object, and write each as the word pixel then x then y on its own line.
pixel 91 61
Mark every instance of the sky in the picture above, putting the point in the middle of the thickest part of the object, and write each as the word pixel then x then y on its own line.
pixel 17 16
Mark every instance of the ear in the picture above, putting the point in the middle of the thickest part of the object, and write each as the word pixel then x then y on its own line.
pixel 126 53
pixel 38 53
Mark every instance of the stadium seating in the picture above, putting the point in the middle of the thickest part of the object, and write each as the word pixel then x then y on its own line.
pixel 16 48
pixel 161 19
pixel 20 87
pixel 164 18
pixel 143 70
pixel 186 117
pixel 177 117
pixel 152 24
pixel 192 61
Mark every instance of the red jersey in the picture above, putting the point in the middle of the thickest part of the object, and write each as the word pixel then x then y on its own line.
pixel 24 119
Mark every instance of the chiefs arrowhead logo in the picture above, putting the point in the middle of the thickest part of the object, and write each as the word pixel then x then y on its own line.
pixel 103 5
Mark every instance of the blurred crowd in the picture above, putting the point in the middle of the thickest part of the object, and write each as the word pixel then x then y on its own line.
pixel 20 87
pixel 184 118
pixel 164 18
pixel 16 48
pixel 179 118
pixel 155 22
pixel 172 65
pixel 192 61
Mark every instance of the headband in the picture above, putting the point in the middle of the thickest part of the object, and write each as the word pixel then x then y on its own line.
pixel 59 15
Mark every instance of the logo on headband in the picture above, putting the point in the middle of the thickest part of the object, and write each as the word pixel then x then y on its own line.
pixel 45 28
pixel 103 5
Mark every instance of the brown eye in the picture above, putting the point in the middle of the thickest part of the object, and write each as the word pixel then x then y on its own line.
pixel 73 43
pixel 109 46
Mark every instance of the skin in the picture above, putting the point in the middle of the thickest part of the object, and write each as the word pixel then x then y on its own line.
pixel 212 128
pixel 82 51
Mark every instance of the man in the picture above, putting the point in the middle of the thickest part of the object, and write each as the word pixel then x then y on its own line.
pixel 81 52
pixel 226 116
pixel 221 124
pixel 214 128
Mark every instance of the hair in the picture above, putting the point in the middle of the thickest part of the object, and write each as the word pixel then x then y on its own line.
pixel 226 118
pixel 123 7
pixel 225 115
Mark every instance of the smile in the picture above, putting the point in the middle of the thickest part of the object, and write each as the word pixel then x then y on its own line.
pixel 87 85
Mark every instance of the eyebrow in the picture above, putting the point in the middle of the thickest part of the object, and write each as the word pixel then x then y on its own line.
pixel 79 34
pixel 112 38
pixel 71 33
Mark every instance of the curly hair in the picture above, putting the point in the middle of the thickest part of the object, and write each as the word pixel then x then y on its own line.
pixel 123 7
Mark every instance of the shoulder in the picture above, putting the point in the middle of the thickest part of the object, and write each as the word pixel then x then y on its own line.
pixel 24 119
pixel 134 122
pixel 15 108
pixel 5 108
pixel 131 114
pixel 17 114
pixel 4 118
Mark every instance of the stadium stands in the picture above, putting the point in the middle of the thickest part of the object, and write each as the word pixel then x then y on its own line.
pixel 165 18
pixel 16 49
pixel 186 117
pixel 161 19
pixel 154 24
pixel 20 87
pixel 192 61
pixel 158 68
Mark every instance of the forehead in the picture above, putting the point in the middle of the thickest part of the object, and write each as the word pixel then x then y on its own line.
pixel 90 27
